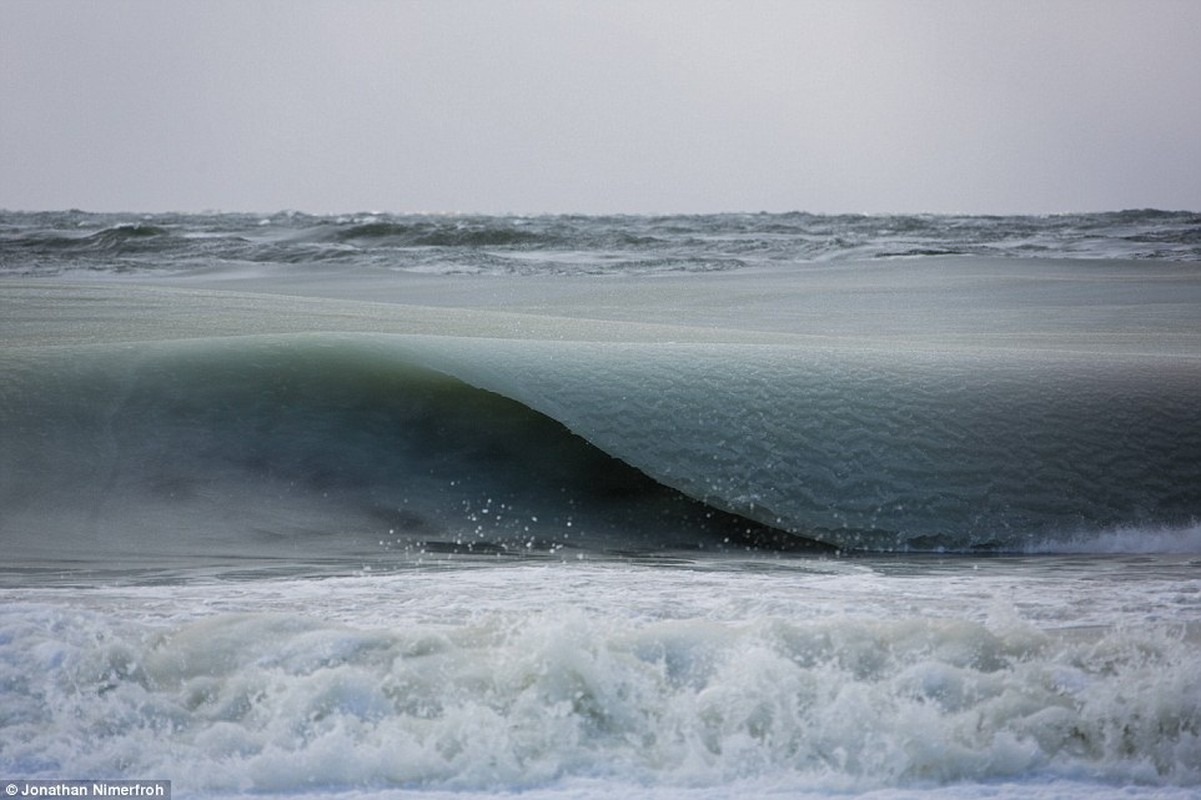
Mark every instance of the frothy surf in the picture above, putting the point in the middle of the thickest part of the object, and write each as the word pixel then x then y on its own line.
pixel 409 682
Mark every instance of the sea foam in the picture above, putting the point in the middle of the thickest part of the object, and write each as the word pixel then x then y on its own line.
pixel 406 682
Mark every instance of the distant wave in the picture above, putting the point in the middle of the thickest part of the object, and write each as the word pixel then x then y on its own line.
pixel 61 241
pixel 445 234
pixel 114 239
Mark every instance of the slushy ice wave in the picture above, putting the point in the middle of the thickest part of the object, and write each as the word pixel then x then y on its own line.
pixel 405 682
pixel 357 441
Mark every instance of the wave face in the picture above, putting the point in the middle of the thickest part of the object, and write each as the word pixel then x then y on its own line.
pixel 868 450
pixel 340 445
pixel 308 449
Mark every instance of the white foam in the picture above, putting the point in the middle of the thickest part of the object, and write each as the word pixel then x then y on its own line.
pixel 580 680
pixel 1179 540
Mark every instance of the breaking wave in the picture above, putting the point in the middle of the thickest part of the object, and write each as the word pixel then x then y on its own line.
pixel 352 446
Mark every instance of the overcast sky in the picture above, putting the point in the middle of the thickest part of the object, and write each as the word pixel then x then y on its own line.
pixel 589 106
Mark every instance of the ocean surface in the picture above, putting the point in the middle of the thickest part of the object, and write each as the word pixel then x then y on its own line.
pixel 444 506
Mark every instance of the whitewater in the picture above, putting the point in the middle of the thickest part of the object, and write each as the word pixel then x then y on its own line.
pixel 708 506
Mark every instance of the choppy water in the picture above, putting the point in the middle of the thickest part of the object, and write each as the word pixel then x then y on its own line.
pixel 60 241
pixel 678 507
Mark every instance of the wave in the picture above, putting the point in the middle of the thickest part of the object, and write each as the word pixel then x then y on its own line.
pixel 319 447
pixel 1148 234
pixel 123 237
pixel 446 233
pixel 341 445
pixel 878 450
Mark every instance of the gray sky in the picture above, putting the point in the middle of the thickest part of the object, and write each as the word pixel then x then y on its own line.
pixel 590 106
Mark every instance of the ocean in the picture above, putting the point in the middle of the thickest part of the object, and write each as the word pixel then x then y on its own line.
pixel 448 506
